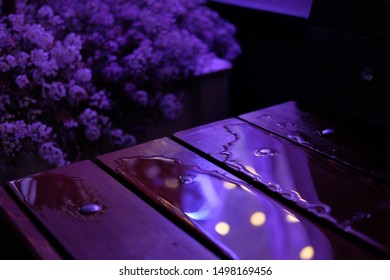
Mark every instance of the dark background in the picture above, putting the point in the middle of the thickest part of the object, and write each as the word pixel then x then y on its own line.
pixel 336 61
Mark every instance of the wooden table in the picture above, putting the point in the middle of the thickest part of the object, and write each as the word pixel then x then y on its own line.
pixel 278 183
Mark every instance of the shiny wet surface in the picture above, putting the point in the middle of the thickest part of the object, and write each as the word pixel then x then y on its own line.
pixel 246 224
pixel 234 215
pixel 355 144
pixel 47 192
pixel 92 216
pixel 319 185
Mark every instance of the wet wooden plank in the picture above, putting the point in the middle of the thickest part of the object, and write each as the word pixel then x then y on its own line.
pixel 30 239
pixel 319 185
pixel 222 209
pixel 358 145
pixel 125 227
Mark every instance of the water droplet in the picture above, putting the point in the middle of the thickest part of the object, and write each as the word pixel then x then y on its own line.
pixel 274 187
pixel 319 209
pixel 90 209
pixel 288 195
pixel 265 116
pixel 297 138
pixel 58 192
pixel 357 216
pixel 186 179
pixel 367 74
pixel 361 215
pixel 265 152
pixel 287 125
pixel 328 131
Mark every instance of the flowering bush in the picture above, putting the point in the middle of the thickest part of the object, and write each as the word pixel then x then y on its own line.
pixel 76 74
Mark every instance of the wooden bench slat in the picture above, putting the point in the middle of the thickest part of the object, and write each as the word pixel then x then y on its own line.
pixel 27 233
pixel 322 186
pixel 219 207
pixel 361 146
pixel 125 228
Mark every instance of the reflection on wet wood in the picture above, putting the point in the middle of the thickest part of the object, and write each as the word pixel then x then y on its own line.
pixel 25 232
pixel 275 184
pixel 361 146
pixel 320 185
pixel 93 216
pixel 238 218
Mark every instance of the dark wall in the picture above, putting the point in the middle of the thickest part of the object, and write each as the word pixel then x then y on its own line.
pixel 363 17
pixel 345 66
pixel 271 44
pixel 345 73
pixel 337 61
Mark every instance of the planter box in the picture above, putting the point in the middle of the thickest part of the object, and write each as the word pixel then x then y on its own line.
pixel 206 99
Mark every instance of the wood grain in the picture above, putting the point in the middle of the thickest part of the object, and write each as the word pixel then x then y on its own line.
pixel 125 228
pixel 217 206
pixel 33 243
pixel 347 141
pixel 328 189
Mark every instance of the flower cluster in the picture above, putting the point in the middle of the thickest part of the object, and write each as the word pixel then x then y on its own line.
pixel 76 73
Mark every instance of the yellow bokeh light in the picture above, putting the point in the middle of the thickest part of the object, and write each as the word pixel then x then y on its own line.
pixel 171 183
pixel 222 228
pixel 258 219
pixel 229 185
pixel 307 253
